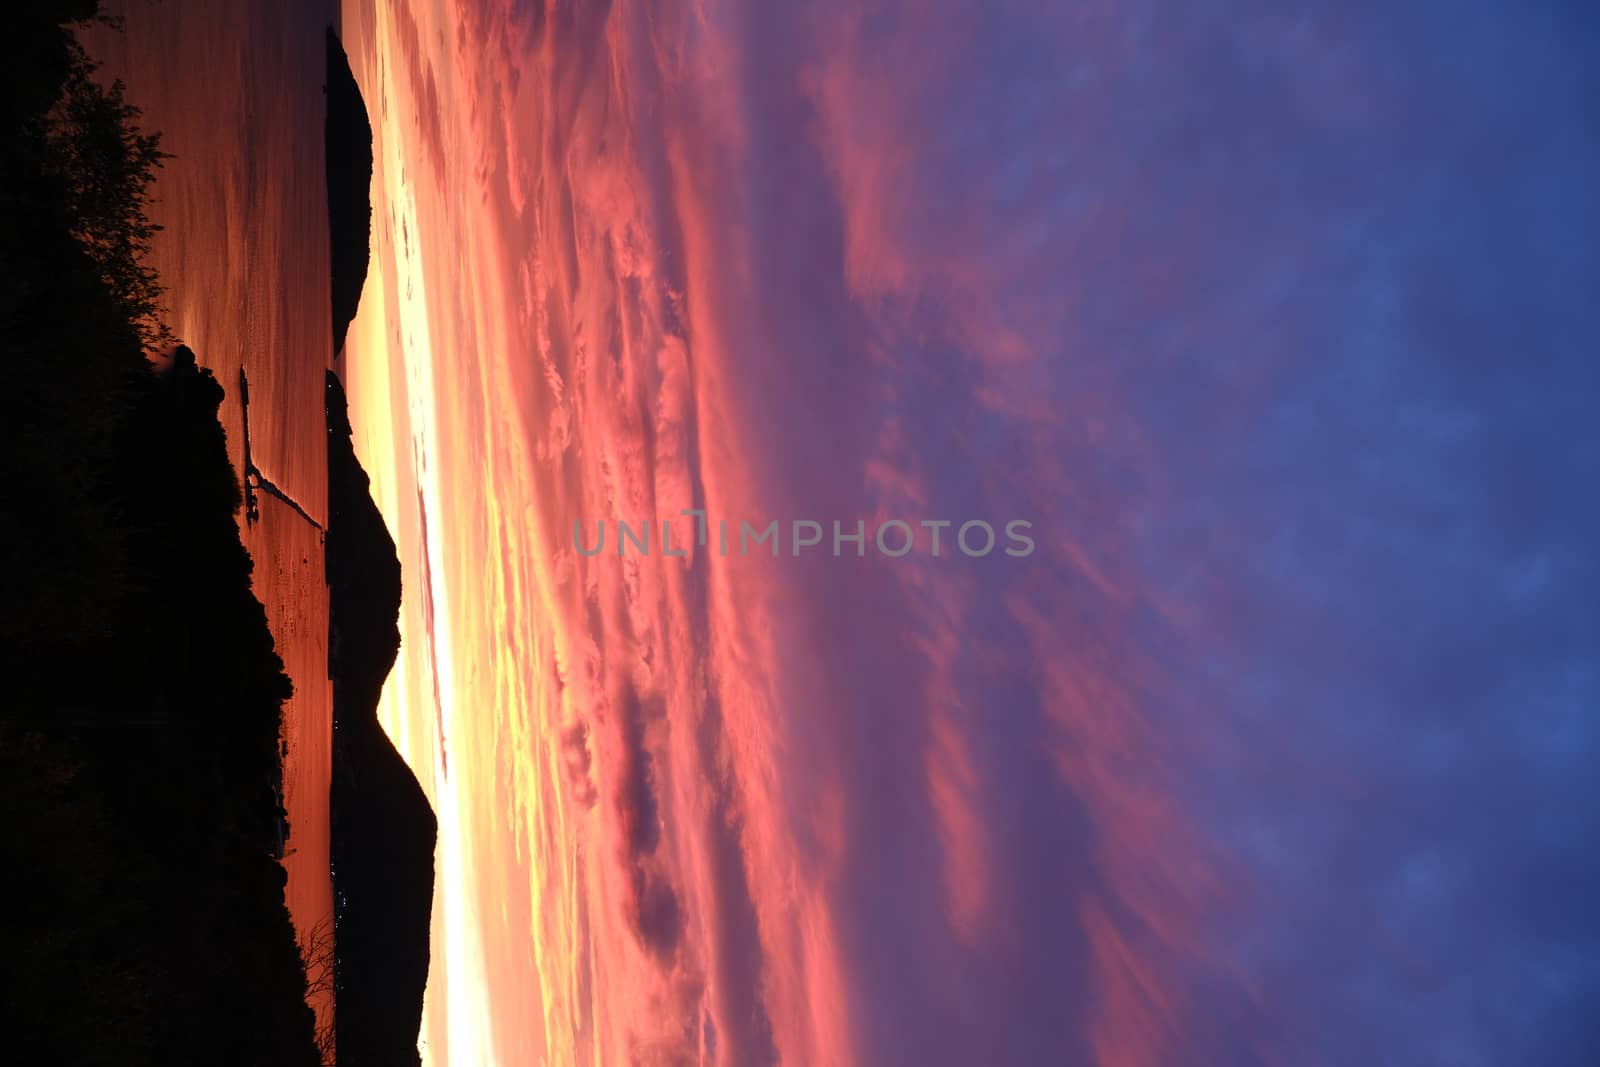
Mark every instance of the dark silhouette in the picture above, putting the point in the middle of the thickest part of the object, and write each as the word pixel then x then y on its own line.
pixel 254 481
pixel 383 828
pixel 252 506
pixel 143 918
pixel 104 165
pixel 348 141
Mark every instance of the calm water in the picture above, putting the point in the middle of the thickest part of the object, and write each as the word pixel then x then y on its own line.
pixel 236 91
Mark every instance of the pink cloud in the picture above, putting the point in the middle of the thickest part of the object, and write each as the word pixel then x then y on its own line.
pixel 777 264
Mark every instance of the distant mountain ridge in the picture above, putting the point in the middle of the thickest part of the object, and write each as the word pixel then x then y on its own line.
pixel 347 140
pixel 383 829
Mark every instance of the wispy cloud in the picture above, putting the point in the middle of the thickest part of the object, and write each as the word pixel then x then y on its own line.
pixel 1271 320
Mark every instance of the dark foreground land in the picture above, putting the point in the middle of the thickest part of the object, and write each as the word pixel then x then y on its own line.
pixel 142 917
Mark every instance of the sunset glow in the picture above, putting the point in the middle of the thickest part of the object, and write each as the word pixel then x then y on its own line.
pixel 1098 805
pixel 800 533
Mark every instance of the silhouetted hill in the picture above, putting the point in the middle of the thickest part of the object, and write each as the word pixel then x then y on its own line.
pixel 383 828
pixel 348 140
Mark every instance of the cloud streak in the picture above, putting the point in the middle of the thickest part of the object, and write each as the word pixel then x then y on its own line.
pixel 1272 753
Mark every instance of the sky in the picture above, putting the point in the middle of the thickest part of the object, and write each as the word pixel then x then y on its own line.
pixel 1277 324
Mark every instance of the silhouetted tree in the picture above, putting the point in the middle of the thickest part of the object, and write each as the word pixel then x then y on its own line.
pixel 106 167
pixel 317 955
